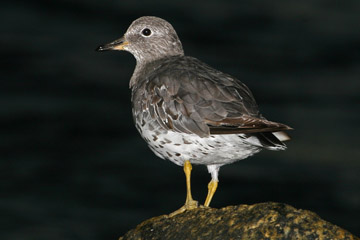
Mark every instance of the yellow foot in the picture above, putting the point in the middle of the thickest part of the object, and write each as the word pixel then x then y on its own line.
pixel 212 189
pixel 189 205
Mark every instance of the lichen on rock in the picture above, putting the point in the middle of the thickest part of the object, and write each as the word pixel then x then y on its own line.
pixel 259 221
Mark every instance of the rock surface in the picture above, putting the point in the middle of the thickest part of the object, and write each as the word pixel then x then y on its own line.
pixel 259 221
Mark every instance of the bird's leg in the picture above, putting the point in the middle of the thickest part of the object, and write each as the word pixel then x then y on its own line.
pixel 213 170
pixel 212 189
pixel 190 203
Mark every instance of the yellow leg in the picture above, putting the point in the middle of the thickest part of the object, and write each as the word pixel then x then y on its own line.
pixel 190 203
pixel 212 189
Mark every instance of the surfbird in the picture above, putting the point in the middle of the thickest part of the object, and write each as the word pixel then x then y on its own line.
pixel 189 112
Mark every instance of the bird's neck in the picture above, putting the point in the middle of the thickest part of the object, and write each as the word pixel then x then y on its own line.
pixel 143 68
pixel 134 78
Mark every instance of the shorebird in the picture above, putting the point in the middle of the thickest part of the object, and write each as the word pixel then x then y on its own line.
pixel 189 112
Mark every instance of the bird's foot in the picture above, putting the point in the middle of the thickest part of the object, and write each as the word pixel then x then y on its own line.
pixel 189 205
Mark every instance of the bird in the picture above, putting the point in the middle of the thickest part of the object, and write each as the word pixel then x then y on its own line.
pixel 188 112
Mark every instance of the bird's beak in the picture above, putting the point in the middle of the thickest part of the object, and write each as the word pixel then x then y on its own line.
pixel 115 45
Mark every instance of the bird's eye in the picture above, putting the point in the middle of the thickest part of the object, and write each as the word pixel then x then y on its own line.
pixel 146 32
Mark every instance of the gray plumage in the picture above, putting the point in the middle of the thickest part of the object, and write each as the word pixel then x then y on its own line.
pixel 187 110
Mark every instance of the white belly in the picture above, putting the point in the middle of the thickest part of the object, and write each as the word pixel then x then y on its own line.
pixel 216 149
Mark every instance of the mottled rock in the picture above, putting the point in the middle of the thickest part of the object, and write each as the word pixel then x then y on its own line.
pixel 259 221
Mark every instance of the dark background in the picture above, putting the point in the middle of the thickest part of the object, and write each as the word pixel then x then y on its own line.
pixel 72 164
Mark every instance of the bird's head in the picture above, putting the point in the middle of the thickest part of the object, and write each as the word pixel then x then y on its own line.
pixel 148 39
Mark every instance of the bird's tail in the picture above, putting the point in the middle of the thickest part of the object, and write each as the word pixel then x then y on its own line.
pixel 272 140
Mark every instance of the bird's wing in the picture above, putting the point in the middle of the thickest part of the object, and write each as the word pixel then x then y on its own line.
pixel 186 95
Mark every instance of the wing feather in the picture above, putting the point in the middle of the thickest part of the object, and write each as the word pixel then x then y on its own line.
pixel 186 95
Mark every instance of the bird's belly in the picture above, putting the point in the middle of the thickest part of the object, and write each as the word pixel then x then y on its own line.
pixel 215 149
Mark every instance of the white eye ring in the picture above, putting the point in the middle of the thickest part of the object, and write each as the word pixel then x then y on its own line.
pixel 146 32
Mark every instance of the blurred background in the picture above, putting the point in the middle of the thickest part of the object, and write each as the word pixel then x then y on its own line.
pixel 72 165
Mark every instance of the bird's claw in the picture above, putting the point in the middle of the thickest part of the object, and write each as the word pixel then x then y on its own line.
pixel 189 205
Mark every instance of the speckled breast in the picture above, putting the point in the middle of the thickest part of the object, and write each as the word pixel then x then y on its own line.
pixel 178 147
